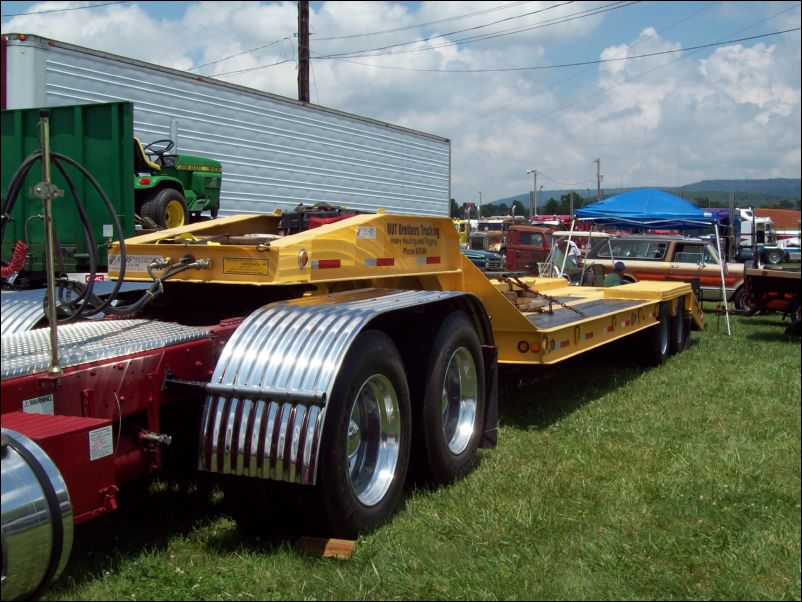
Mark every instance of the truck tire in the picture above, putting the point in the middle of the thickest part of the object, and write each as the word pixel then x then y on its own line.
pixel 680 329
pixel 739 300
pixel 366 438
pixel 658 338
pixel 448 425
pixel 775 256
pixel 167 208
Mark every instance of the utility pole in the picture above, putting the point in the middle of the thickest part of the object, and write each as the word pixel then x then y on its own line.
pixel 303 50
pixel 534 190
pixel 598 179
pixel 541 195
pixel 480 206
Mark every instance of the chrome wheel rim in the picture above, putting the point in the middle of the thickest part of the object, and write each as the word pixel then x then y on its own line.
pixel 459 400
pixel 663 336
pixel 373 446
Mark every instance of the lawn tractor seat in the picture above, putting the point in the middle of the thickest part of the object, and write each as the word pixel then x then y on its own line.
pixel 141 161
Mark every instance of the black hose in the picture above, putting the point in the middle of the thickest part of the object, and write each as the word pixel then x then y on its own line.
pixel 117 228
pixel 89 237
pixel 88 303
pixel 13 189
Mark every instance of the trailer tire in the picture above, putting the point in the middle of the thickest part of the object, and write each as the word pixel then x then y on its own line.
pixel 167 208
pixel 448 425
pixel 366 438
pixel 680 329
pixel 740 301
pixel 658 338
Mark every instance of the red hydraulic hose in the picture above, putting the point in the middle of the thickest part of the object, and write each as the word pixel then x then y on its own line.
pixel 18 259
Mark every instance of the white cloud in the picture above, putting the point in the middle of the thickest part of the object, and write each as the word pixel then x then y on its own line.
pixel 729 112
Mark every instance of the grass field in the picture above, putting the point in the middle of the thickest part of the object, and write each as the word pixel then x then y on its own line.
pixel 609 482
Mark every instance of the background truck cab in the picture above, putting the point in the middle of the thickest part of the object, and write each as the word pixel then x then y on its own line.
pixel 527 246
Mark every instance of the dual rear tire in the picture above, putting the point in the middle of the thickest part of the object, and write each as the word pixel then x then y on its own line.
pixel 368 432
pixel 670 336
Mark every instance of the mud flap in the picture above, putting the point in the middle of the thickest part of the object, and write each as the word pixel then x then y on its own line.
pixel 490 426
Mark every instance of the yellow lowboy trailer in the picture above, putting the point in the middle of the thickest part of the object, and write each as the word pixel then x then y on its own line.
pixel 368 345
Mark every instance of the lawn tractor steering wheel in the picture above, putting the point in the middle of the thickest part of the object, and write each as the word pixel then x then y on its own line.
pixel 159 152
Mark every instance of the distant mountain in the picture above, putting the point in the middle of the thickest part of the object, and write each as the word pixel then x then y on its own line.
pixel 708 193
pixel 787 188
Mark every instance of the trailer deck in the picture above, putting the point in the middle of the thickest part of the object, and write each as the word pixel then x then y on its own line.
pixel 409 252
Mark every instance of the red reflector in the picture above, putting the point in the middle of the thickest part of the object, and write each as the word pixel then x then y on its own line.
pixel 432 260
pixel 564 344
pixel 385 261
pixel 144 181
pixel 323 264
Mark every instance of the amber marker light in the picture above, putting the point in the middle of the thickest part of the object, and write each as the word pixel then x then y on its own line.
pixel 303 259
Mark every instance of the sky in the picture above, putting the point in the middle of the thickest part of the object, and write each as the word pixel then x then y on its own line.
pixel 516 86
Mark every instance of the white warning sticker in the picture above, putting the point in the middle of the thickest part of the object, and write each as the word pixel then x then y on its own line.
pixel 366 232
pixel 134 263
pixel 38 405
pixel 101 443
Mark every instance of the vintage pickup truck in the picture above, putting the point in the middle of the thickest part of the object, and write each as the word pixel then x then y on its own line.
pixel 664 257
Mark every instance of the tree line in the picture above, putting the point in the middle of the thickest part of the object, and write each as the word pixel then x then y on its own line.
pixel 563 206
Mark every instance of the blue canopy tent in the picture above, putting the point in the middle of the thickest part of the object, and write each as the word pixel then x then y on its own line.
pixel 653 209
pixel 648 208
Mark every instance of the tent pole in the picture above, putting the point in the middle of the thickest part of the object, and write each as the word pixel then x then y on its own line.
pixel 567 246
pixel 723 287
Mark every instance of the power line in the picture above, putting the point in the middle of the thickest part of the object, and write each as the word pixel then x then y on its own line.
pixel 374 51
pixel 280 62
pixel 225 58
pixel 60 10
pixel 579 64
pixel 292 60
pixel 457 18
pixel 578 73
pixel 648 72
pixel 581 14
pixel 318 39
pixel 562 183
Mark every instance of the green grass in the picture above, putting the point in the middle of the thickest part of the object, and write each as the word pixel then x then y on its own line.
pixel 609 482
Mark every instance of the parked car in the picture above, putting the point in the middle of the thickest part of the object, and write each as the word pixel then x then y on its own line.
pixel 485 260
pixel 654 257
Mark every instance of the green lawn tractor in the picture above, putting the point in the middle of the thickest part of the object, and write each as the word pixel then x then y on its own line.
pixel 171 190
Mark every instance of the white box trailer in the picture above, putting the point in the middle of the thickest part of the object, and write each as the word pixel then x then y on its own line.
pixel 276 152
